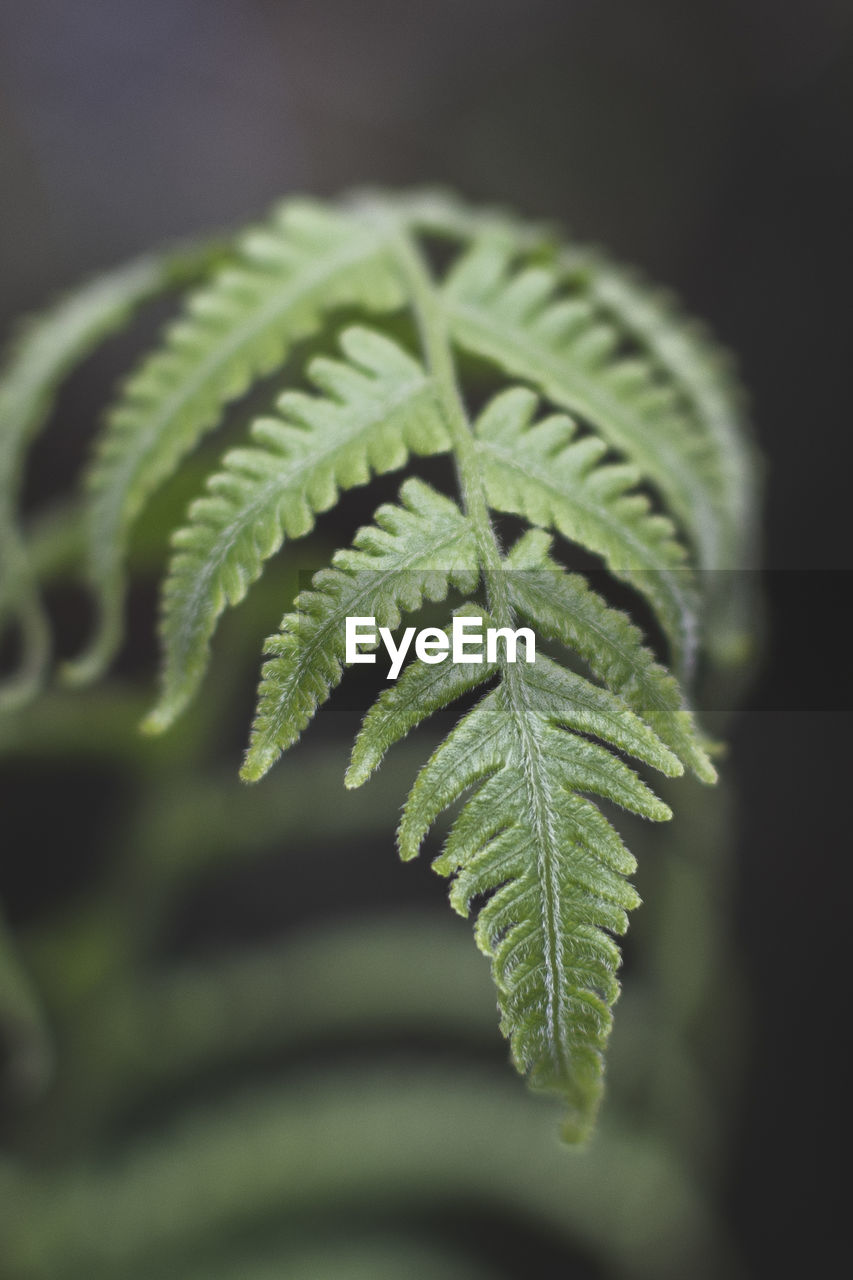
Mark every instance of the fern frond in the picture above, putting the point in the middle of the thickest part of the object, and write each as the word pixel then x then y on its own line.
pixel 562 334
pixel 704 376
pixel 238 328
pixel 666 349
pixel 672 347
pixel 420 691
pixel 414 1137
pixel 46 349
pixel 677 347
pixel 531 327
pixel 376 408
pixel 701 371
pixel 414 552
pixel 563 607
pixel 530 841
pixel 547 474
pixel 549 864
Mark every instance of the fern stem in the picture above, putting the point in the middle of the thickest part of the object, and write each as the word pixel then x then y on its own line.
pixel 438 355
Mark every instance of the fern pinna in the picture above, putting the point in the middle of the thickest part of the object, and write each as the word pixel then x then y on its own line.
pixel 612 423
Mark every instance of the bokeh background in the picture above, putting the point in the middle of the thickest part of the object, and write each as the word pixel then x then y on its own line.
pixel 708 143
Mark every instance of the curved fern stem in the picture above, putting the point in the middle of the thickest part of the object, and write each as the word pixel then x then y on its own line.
pixel 439 360
pixel 550 1066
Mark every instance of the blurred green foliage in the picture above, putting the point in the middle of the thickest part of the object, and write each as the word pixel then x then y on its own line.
pixel 329 1099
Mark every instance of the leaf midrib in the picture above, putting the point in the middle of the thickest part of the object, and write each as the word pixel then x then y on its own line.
pixel 547 857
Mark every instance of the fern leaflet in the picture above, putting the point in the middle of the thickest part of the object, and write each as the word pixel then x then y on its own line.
pixel 521 320
pixel 542 473
pixel 376 407
pixel 548 863
pixel 564 608
pixel 414 552
pixel 529 839
pixel 235 330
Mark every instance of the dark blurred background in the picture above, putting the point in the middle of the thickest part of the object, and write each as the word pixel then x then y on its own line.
pixel 708 143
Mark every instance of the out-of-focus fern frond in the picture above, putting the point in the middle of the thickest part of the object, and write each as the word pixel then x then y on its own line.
pixel 386 1257
pixel 364 1140
pixel 384 976
pixel 45 350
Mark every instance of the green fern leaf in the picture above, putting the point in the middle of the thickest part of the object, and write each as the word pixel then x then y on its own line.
pixel 549 864
pixel 48 347
pixel 376 408
pixel 422 690
pixel 669 349
pixel 523 322
pixel 704 377
pixel 529 837
pixel 412 553
pixel 563 607
pixel 675 346
pixel 700 370
pixel 545 473
pixel 240 327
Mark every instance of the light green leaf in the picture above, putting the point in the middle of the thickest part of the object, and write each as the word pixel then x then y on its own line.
pixel 236 329
pixel 413 552
pixel 375 409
